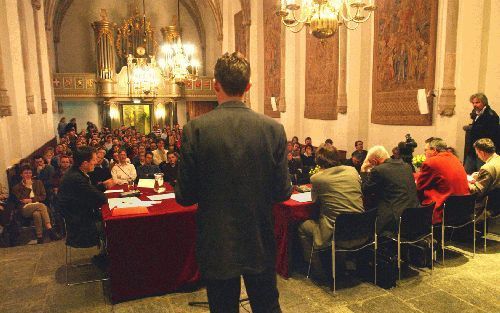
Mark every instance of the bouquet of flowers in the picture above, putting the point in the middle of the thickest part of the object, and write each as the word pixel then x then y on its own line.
pixel 314 170
pixel 418 160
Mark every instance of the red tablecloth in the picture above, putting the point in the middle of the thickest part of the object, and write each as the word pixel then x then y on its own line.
pixel 286 216
pixel 152 253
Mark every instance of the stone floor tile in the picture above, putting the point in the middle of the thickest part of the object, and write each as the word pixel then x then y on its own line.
pixel 440 301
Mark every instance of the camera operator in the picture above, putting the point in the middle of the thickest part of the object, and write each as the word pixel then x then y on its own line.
pixel 406 149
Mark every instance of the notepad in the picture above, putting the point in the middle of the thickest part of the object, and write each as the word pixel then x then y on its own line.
pixel 113 191
pixel 302 197
pixel 146 183
pixel 162 196
pixel 130 211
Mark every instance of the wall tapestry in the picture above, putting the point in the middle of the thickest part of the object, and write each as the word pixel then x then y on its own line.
pixel 273 61
pixel 403 60
pixel 322 71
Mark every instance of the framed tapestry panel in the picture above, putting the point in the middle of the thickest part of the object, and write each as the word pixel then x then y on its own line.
pixel 322 71
pixel 404 60
pixel 273 53
pixel 240 40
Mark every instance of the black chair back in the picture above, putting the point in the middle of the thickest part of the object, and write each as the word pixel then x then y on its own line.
pixel 493 204
pixel 459 210
pixel 354 230
pixel 416 222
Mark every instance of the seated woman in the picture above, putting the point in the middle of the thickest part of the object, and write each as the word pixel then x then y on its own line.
pixel 31 194
pixel 336 189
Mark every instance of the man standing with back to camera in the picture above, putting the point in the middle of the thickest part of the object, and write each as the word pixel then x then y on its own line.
pixel 233 164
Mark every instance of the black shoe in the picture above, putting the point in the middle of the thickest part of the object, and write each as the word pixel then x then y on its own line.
pixel 39 240
pixel 53 235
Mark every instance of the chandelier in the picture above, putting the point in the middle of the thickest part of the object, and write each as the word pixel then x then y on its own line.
pixel 323 17
pixel 176 60
pixel 144 76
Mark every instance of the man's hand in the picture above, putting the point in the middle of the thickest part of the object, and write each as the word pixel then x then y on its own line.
pixel 26 201
pixel 109 183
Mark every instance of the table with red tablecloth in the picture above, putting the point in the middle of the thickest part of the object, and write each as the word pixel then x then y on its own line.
pixel 154 253
pixel 151 253
pixel 287 215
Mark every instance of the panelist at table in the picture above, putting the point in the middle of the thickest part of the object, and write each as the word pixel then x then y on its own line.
pixel 233 164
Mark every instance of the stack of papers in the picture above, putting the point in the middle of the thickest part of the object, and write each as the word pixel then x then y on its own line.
pixel 119 203
pixel 113 190
pixel 146 183
pixel 302 197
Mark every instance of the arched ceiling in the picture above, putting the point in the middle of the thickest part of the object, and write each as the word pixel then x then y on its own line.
pixel 55 10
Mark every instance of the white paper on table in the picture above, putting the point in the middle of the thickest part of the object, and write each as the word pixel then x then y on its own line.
pixel 423 107
pixel 124 202
pixel 114 190
pixel 162 196
pixel 302 197
pixel 146 183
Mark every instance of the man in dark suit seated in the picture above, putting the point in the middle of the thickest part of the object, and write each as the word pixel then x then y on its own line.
pixel 390 187
pixel 80 201
pixel 101 175
pixel 171 168
pixel 233 164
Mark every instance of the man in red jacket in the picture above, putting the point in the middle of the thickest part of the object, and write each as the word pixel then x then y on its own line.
pixel 441 175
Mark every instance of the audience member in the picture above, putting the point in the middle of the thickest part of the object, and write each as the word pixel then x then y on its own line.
pixel 160 154
pixel 45 173
pixel 123 171
pixel 101 177
pixel 61 126
pixel 395 153
pixel 71 126
pixel 329 142
pixel 30 194
pixel 441 175
pixel 488 177
pixel 294 169
pixel 360 152
pixel 171 168
pixel 390 187
pixel 355 160
pixel 148 169
pixel 307 159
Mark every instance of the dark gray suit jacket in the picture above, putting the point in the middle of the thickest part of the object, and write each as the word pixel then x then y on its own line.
pixel 392 187
pixel 233 164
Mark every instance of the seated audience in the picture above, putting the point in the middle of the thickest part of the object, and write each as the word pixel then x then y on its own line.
pixel 336 189
pixel 360 152
pixel 170 169
pixel 441 175
pixel 390 187
pixel 64 165
pixel 488 177
pixel 296 150
pixel 307 159
pixel 30 194
pixel 160 154
pixel 294 169
pixel 148 169
pixel 123 172
pixel 45 173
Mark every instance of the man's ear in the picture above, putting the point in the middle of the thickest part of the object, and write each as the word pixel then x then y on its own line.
pixel 248 87
pixel 216 86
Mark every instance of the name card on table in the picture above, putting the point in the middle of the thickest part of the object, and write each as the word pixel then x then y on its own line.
pixel 129 211
pixel 162 196
pixel 302 197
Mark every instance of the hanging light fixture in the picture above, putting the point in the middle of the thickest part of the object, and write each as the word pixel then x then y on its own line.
pixel 323 17
pixel 176 60
pixel 144 76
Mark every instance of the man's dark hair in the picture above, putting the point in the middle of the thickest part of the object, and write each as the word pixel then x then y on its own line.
pixel 356 142
pixel 485 145
pixel 329 141
pixel 232 71
pixel 358 155
pixel 82 154
pixel 158 141
pixel 327 156
pixel 148 152
pixel 428 140
pixel 25 167
pixel 37 156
